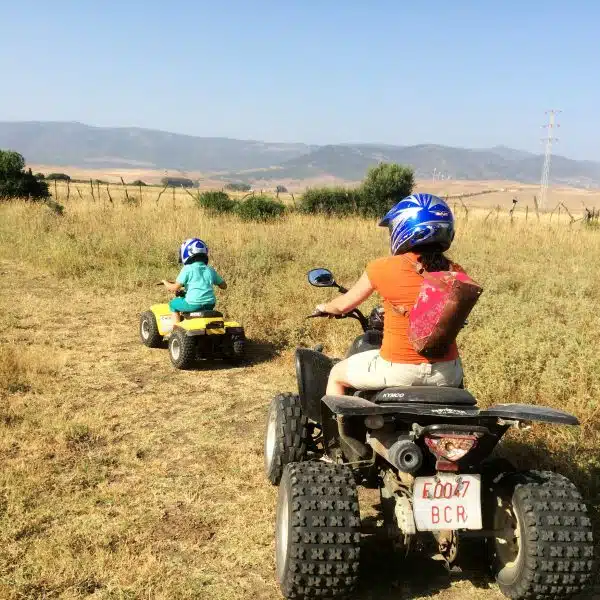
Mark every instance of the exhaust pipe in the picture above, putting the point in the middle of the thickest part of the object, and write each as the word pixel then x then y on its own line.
pixel 401 452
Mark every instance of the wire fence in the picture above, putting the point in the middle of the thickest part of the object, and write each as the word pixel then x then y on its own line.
pixel 481 205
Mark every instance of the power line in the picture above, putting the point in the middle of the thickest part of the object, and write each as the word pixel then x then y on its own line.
pixel 548 154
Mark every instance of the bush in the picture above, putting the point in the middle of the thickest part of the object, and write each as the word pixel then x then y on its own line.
pixel 281 189
pixel 137 182
pixel 216 202
pixel 40 176
pixel 384 185
pixel 260 208
pixel 58 177
pixel 177 182
pixel 238 187
pixel 330 201
pixel 15 182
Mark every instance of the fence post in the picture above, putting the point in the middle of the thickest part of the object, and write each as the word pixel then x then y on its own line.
pixel 127 198
pixel 161 193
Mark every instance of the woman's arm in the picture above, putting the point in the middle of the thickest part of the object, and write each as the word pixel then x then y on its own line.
pixel 355 296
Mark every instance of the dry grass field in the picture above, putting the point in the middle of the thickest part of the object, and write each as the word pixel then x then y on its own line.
pixel 125 479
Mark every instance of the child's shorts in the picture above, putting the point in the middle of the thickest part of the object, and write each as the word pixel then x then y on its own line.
pixel 181 305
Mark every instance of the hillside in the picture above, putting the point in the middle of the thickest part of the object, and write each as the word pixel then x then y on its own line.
pixel 75 144
pixel 351 162
pixel 78 145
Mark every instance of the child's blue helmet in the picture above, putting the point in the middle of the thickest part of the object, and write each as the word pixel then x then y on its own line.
pixel 419 220
pixel 190 248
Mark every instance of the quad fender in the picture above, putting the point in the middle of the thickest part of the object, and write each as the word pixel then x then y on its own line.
pixel 202 326
pixel 164 318
pixel 356 406
pixel 194 326
pixel 370 340
pixel 312 372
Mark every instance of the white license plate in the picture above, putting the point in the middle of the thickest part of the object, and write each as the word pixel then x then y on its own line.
pixel 447 501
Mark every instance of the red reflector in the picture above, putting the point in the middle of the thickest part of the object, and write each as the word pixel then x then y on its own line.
pixel 450 447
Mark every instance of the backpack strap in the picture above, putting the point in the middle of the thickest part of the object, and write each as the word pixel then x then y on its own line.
pixel 401 309
pixel 420 270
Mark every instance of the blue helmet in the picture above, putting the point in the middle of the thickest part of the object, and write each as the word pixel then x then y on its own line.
pixel 190 248
pixel 419 220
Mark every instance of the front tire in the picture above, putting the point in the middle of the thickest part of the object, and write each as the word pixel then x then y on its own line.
pixel 149 330
pixel 182 349
pixel 317 533
pixel 547 550
pixel 285 436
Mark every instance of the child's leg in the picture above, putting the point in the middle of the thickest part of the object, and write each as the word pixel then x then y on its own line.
pixel 177 306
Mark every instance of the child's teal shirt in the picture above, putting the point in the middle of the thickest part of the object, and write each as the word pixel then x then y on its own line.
pixel 198 280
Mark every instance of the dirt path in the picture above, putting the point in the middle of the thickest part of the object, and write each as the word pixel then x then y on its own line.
pixel 124 478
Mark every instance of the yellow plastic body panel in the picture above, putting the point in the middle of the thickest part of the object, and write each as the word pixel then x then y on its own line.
pixel 164 321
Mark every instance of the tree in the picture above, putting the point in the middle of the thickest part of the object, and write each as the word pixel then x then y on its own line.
pixel 177 182
pixel 16 182
pixel 238 187
pixel 384 185
pixel 281 189
pixel 58 177
pixel 11 163
pixel 137 182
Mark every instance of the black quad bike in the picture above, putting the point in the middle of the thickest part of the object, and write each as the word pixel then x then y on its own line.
pixel 429 452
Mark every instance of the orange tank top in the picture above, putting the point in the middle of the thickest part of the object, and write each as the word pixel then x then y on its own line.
pixel 397 282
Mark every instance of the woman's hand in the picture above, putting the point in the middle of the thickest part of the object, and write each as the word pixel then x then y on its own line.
pixel 328 309
pixel 347 302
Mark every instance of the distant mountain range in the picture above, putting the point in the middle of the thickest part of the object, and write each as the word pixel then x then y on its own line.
pixel 79 145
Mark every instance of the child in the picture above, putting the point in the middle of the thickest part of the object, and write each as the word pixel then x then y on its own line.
pixel 196 278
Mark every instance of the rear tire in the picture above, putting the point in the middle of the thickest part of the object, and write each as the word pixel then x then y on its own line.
pixel 236 350
pixel 547 552
pixel 285 436
pixel 239 348
pixel 317 534
pixel 149 330
pixel 182 349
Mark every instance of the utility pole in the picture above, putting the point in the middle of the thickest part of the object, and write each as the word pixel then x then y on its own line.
pixel 547 155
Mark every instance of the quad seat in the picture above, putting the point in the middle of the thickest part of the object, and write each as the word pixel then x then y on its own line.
pixel 203 314
pixel 421 395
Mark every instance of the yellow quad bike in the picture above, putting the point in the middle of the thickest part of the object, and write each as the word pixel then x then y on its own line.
pixel 202 334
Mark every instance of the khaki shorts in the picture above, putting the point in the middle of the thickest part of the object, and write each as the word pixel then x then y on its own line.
pixel 368 371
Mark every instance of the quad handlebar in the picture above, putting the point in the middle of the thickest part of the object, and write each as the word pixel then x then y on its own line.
pixel 324 278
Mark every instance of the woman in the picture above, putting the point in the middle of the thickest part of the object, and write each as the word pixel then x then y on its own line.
pixel 421 229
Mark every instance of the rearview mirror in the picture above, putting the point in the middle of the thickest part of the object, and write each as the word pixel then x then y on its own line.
pixel 321 278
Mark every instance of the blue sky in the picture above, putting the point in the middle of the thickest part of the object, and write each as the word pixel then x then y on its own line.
pixel 471 73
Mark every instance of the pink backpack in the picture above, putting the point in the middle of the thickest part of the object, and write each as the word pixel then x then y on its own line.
pixel 444 302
